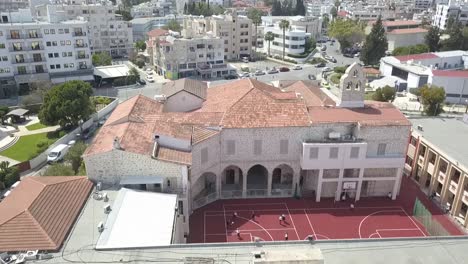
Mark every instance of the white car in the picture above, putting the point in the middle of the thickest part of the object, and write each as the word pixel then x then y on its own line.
pixel 150 78
pixel 244 75
pixel 327 69
pixel 297 67
pixel 149 72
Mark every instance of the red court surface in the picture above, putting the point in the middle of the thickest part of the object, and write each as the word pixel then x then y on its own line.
pixel 371 218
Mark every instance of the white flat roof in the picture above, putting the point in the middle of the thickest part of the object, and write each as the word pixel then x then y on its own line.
pixel 111 71
pixel 139 219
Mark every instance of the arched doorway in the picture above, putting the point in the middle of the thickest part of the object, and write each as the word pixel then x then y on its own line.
pixel 205 185
pixel 257 181
pixel 232 182
pixel 282 177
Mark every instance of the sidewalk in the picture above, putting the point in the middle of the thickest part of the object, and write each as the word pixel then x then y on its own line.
pixel 23 131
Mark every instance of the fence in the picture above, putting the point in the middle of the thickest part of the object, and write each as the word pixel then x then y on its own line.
pixel 42 158
pixel 433 227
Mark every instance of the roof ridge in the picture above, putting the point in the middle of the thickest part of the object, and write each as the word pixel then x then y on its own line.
pixel 230 107
pixel 40 227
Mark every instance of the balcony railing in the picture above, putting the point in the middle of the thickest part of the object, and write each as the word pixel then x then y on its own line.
pixel 14 36
pixel 82 67
pixel 84 45
pixel 26 60
pixel 25 48
pixel 40 71
pixel 33 36
pixel 78 34
pixel 81 57
pixel 420 160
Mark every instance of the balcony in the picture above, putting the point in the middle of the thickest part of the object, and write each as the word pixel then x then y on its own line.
pixel 33 36
pixel 25 48
pixel 42 59
pixel 14 36
pixel 465 197
pixel 39 71
pixel 453 187
pixel 78 34
pixel 84 45
pixel 82 57
pixel 441 177
pixel 26 60
pixel 82 67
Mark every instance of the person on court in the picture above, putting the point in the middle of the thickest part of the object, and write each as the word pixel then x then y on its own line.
pixel 238 232
pixel 234 215
pixel 283 217
pixel 253 215
pixel 286 236
pixel 280 219
pixel 351 206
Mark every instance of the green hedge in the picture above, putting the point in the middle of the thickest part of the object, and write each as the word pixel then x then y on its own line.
pixel 316 61
pixel 299 56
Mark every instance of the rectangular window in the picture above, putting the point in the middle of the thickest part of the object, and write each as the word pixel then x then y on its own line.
pixel 354 153
pixel 204 155
pixel 22 70
pixel 60 31
pixel 57 66
pixel 52 31
pixel 230 147
pixel 48 43
pixel 313 153
pixel 51 55
pixel 258 147
pixel 284 146
pixel 381 149
pixel 56 55
pixel 333 153
pixel 180 207
pixel 46 31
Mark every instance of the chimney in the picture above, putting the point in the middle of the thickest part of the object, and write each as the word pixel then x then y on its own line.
pixel 116 143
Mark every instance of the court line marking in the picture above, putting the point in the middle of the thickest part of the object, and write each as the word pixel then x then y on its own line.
pixel 225 221
pixel 258 225
pixel 397 229
pixel 412 220
pixel 373 234
pixel 324 236
pixel 299 209
pixel 378 234
pixel 374 213
pixel 292 221
pixel 267 229
pixel 310 223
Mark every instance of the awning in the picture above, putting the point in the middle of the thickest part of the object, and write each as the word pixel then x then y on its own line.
pixel 111 71
pixel 141 180
pixel 18 112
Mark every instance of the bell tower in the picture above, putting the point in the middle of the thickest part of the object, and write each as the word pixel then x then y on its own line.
pixel 352 87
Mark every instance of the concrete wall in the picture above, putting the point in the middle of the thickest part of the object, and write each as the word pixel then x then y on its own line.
pixel 404 40
pixel 182 102
pixel 453 86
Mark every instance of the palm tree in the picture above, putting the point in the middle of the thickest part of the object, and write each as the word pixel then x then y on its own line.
pixel 269 37
pixel 284 24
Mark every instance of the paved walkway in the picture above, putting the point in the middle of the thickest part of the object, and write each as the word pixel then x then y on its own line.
pixel 24 132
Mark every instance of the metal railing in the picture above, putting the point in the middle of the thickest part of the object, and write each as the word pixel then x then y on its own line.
pixel 78 34
pixel 205 200
pixel 84 45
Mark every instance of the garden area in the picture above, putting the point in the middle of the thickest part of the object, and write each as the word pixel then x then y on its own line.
pixel 35 126
pixel 31 146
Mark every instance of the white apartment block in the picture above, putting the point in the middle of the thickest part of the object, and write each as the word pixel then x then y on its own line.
pixel 437 160
pixel 457 10
pixel 141 26
pixel 369 12
pixel 234 30
pixel 206 144
pixel 175 57
pixel 318 8
pixel 154 8
pixel 13 5
pixel 310 25
pixel 108 32
pixel 36 50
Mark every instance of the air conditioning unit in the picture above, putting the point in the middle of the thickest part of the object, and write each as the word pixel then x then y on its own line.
pixel 31 255
pixel 100 227
pixel 105 197
pixel 334 135
pixel 107 208
pixel 420 127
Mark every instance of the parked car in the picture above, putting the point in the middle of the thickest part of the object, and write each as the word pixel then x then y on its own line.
pixel 230 77
pixel 323 48
pixel 284 69
pixel 244 75
pixel 150 78
pixel 141 81
pixel 312 77
pixel 320 65
pixel 297 67
pixel 273 71
pixel 245 59
pixel 259 72
pixel 332 59
pixel 348 55
pixel 327 69
pixel 58 153
pixel 357 55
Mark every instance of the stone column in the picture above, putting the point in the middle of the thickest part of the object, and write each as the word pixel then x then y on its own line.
pixel 435 175
pixel 236 176
pixel 218 184
pixel 446 185
pixel 244 185
pixel 396 185
pixel 318 193
pixel 359 186
pixel 269 182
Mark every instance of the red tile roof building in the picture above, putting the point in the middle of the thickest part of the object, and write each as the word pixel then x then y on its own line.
pixel 40 211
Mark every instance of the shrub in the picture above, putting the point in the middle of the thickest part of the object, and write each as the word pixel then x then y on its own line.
pixel 340 69
pixel 12 175
pixel 316 61
pixel 140 63
pixel 300 56
pixel 289 60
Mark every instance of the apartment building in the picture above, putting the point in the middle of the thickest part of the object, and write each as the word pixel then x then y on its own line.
pixel 108 32
pixel 234 30
pixel 141 26
pixel 205 144
pixel 310 25
pixel 175 57
pixel 154 8
pixel 401 33
pixel 457 10
pixel 437 159
pixel 36 50
pixel 445 69
pixel 366 12
pixel 318 8
pixel 13 5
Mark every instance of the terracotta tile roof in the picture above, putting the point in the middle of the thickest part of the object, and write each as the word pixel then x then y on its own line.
pixel 173 155
pixel 342 13
pixel 369 70
pixel 462 74
pixel 197 88
pixel 156 32
pixel 199 134
pixel 407 31
pixel 311 94
pixel 40 211
pixel 374 114
pixel 417 57
pixel 396 23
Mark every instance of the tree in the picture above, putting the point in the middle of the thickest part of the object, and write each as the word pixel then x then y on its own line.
pixel 375 44
pixel 432 98
pixel 310 45
pixel 416 49
pixel 385 94
pixel 140 45
pixel 59 169
pixel 173 25
pixel 347 32
pixel 101 59
pixel 133 76
pixel 325 20
pixel 8 175
pixel 125 14
pixel 3 111
pixel 333 12
pixel 284 24
pixel 185 9
pixel 456 39
pixel 276 8
pixel 432 39
pixel 74 155
pixel 269 36
pixel 256 16
pixel 300 8
pixel 68 103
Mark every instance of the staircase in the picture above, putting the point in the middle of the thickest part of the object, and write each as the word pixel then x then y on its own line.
pixel 15 139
